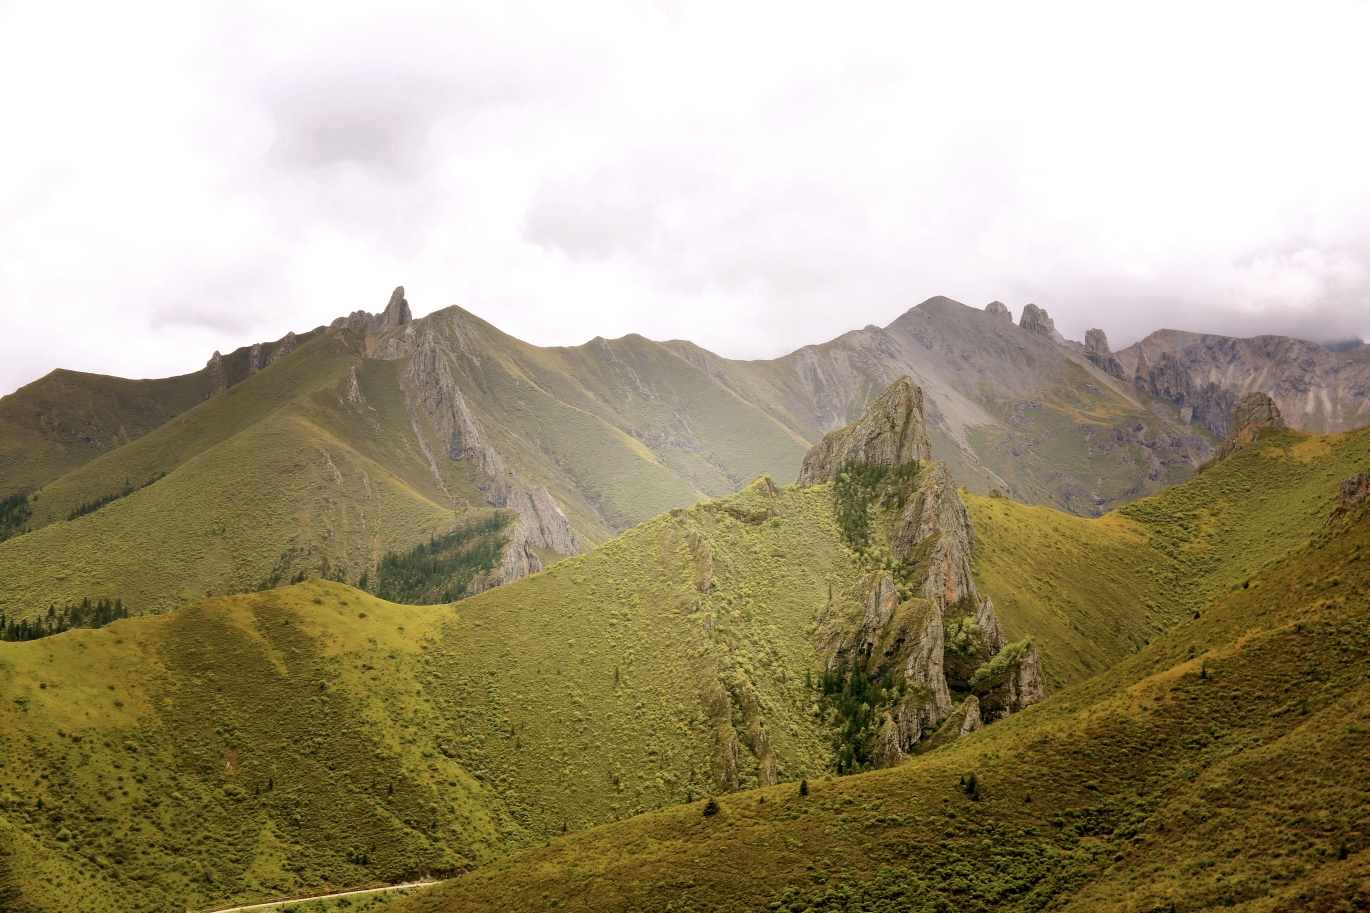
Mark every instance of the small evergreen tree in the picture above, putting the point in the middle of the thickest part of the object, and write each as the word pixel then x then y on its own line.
pixel 710 808
pixel 803 787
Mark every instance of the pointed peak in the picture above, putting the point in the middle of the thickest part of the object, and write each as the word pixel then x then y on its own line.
pixel 891 431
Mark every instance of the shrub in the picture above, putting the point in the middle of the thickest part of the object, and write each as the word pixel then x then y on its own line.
pixel 710 808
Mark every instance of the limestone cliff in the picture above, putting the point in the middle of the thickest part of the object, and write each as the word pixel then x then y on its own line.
pixel 923 624
pixel 1101 356
pixel 892 431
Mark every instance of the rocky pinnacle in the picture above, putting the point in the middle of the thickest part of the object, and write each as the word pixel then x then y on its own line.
pixel 892 431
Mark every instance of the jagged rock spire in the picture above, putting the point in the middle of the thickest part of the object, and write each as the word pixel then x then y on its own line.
pixel 892 431
pixel 396 313
pixel 1102 357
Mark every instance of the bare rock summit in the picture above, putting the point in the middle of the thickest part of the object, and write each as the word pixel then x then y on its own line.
pixel 891 432
pixel 999 309
pixel 1255 417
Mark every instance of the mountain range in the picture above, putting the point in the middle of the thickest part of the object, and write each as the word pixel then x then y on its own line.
pixel 953 614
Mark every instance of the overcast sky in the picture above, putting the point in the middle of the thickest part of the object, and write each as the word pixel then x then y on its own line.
pixel 183 178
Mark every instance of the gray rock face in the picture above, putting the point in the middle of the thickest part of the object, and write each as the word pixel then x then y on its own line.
pixel 396 313
pixel 354 320
pixel 254 359
pixel 1318 390
pixel 218 377
pixel 999 309
pixel 1036 320
pixel 1255 417
pixel 1351 495
pixel 1167 378
pixel 891 432
pixel 1101 356
pixel 287 346
pixel 447 428
pixel 945 635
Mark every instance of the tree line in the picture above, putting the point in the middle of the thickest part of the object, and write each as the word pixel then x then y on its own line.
pixel 86 614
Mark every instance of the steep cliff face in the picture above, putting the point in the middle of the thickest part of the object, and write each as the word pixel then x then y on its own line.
pixel 448 430
pixel 892 431
pixel 1255 416
pixel 1101 356
pixel 1317 390
pixel 917 619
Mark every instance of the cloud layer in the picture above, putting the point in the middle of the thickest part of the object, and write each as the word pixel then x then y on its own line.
pixel 752 177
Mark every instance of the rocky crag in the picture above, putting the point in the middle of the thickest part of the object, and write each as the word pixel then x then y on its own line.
pixel 1317 389
pixel 916 619
pixel 1255 417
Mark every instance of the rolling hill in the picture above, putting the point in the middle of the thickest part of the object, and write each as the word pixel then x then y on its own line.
pixel 312 736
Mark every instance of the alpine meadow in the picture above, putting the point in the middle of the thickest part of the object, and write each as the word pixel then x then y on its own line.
pixel 951 615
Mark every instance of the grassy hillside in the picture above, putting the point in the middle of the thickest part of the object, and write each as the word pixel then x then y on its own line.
pixel 1224 765
pixel 270 478
pixel 66 419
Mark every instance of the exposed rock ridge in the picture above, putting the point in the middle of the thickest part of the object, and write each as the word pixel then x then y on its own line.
pixel 891 432
pixel 446 427
pixel 1255 417
pixel 942 637
pixel 1036 320
pixel 1318 390
pixel 1101 356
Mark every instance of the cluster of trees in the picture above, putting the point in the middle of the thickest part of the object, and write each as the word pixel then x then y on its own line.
pixel 87 614
pixel 861 487
pixel 440 569
pixel 14 516
pixel 90 507
pixel 855 699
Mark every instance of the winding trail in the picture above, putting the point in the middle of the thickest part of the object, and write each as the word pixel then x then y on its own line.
pixel 273 904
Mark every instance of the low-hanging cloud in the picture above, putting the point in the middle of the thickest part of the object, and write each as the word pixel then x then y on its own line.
pixel 753 178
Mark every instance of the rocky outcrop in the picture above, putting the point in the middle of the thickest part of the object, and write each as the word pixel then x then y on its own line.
pixel 254 359
pixel 287 346
pixel 1255 417
pixel 353 321
pixel 891 432
pixel 447 428
pixel 1036 320
pixel 395 315
pixel 1101 356
pixel 999 309
pixel 354 390
pixel 928 628
pixel 1351 495
pixel 218 377
pixel 964 719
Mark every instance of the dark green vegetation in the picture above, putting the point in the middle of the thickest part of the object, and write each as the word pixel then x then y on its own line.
pixel 1226 764
pixel 85 614
pixel 15 511
pixel 862 489
pixel 440 569
pixel 90 507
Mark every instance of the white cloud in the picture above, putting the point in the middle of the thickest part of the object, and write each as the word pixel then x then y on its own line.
pixel 751 176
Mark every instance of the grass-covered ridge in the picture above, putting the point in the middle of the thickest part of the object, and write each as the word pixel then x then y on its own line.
pixel 1224 765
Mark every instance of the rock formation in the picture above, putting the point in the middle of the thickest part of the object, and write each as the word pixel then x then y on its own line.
pixel 1352 494
pixel 218 378
pixel 892 431
pixel 1318 390
pixel 1036 320
pixel 1255 417
pixel 924 623
pixel 396 313
pixel 1101 356
pixel 999 309
pixel 287 346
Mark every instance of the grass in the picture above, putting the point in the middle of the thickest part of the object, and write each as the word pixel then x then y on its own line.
pixel 1225 764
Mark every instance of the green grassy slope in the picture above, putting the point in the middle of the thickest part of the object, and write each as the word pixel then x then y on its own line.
pixel 1225 765
pixel 270 477
pixel 619 431
pixel 254 746
pixel 1093 591
pixel 629 680
pixel 66 419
